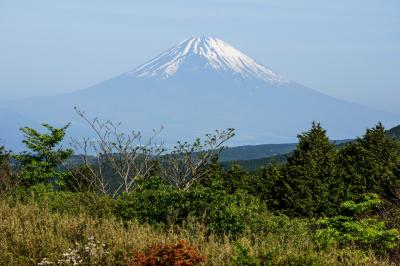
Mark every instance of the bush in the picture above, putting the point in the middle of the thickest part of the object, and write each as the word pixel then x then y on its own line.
pixel 179 254
pixel 64 201
pixel 367 232
pixel 156 203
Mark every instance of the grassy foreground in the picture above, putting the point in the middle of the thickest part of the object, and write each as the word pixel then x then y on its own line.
pixel 31 234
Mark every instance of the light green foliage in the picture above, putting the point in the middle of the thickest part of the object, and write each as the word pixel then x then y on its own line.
pixel 65 201
pixel 351 229
pixel 40 164
pixel 370 203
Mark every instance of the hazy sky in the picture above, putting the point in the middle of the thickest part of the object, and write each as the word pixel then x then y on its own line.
pixel 347 49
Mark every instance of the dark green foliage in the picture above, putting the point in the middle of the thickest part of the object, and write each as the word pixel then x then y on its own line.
pixel 306 184
pixel 223 213
pixel 40 164
pixel 357 226
pixel 265 185
pixel 236 178
pixel 318 176
pixel 271 186
pixel 82 179
pixel 5 172
pixel 257 164
pixel 371 164
pixel 310 187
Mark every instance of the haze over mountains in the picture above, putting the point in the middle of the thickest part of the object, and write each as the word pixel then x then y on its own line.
pixel 197 86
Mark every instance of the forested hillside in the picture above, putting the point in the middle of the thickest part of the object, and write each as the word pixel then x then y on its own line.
pixel 255 151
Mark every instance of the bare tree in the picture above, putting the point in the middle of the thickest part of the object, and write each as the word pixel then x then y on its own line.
pixel 127 154
pixel 89 174
pixel 187 163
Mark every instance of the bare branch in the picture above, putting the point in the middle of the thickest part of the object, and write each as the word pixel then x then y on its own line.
pixel 127 154
pixel 187 162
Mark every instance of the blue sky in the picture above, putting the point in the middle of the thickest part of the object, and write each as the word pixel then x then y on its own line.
pixel 347 49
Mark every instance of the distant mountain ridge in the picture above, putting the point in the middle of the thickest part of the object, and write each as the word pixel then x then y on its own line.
pixel 248 161
pixel 200 85
pixel 251 152
pixel 254 152
pixel 394 132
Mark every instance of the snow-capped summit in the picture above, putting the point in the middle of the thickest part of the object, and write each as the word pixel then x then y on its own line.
pixel 205 52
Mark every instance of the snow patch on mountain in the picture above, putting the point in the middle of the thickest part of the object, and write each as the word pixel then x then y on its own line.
pixel 213 53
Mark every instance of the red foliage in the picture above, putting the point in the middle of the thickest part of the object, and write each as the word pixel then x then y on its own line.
pixel 179 254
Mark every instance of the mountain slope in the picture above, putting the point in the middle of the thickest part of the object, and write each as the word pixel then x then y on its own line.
pixel 394 132
pixel 203 84
pixel 11 122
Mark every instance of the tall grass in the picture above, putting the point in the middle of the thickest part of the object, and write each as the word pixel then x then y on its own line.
pixel 31 234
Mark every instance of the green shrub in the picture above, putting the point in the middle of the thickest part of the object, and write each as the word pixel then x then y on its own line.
pixel 223 213
pixel 64 201
pixel 365 232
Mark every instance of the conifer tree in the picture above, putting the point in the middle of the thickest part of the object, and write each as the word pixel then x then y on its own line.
pixel 273 184
pixel 372 164
pixel 309 186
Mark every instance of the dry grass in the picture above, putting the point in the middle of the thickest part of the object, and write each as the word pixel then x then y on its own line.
pixel 29 233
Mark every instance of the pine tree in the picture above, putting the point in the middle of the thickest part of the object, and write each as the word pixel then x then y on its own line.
pixel 309 186
pixel 372 164
pixel 273 186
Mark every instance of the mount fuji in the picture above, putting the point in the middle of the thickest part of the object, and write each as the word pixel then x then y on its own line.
pixel 200 85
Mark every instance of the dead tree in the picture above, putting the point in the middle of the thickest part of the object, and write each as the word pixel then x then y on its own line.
pixel 89 171
pixel 126 154
pixel 187 163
